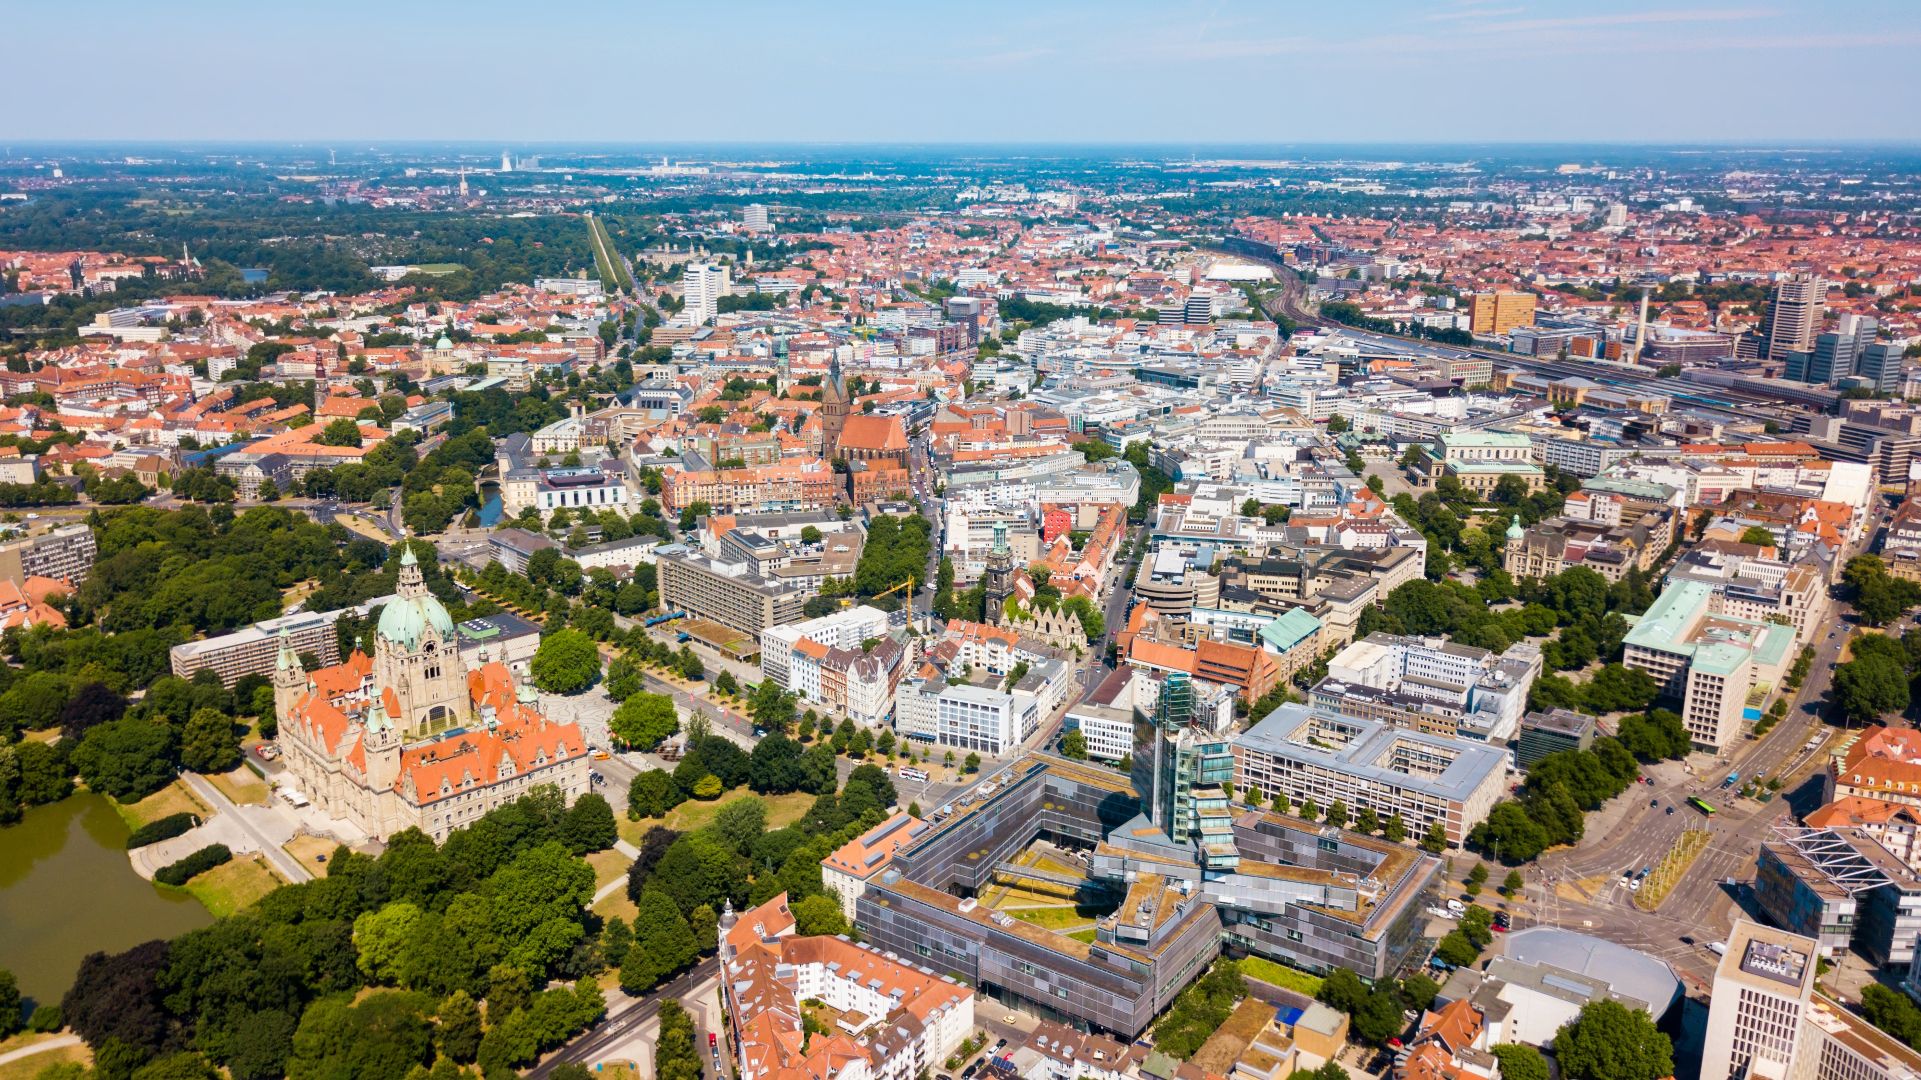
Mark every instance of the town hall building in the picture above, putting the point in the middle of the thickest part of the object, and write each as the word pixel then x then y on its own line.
pixel 410 737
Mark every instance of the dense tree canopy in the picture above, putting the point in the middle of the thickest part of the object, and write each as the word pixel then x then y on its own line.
pixel 1609 1041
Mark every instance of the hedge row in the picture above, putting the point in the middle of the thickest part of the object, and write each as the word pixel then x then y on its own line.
pixel 198 863
pixel 165 828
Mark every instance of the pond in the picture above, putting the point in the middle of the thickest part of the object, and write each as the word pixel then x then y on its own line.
pixel 67 889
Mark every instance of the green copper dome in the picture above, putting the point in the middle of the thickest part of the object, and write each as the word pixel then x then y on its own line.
pixel 1514 531
pixel 404 620
pixel 406 617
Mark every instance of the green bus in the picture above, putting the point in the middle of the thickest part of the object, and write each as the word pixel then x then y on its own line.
pixel 1702 805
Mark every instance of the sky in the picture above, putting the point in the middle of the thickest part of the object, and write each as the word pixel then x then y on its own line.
pixel 1803 72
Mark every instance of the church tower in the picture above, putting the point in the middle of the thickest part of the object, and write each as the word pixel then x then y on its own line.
pixel 999 580
pixel 417 656
pixel 834 407
pixel 289 678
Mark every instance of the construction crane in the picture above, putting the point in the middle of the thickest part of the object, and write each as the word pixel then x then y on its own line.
pixel 907 586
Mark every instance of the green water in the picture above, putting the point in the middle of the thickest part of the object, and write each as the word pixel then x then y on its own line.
pixel 67 889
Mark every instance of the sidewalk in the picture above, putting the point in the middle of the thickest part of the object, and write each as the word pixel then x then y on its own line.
pixel 256 828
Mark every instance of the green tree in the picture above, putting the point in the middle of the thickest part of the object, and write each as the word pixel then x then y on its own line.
pixel 1520 1061
pixel 652 793
pixel 1074 745
pixel 128 759
pixel 1513 883
pixel 1609 1041
pixel 1870 686
pixel 1435 841
pixel 623 678
pixel 1758 536
pixel 566 662
pixel 1455 948
pixel 1395 830
pixel 818 915
pixel 9 1003
pixel 645 720
pixel 1337 814
pixel 340 432
pixel 211 743
pixel 457 1027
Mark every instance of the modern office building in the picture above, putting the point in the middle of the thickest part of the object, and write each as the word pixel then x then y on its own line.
pixel 702 285
pixel 1304 894
pixel 1722 668
pixel 1763 987
pixel 1766 1020
pixel 1187 764
pixel 1306 754
pixel 1499 312
pixel 1882 365
pixel 1106 717
pixel 1794 316
pixel 753 218
pixel 1544 733
pixel 1842 888
pixel 729 593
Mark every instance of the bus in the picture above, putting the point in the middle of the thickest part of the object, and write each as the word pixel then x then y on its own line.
pixel 1702 805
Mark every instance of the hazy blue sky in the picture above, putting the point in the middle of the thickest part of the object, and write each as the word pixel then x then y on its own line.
pixel 981 70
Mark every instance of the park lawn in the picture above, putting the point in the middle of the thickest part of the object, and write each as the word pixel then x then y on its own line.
pixel 609 865
pixel 44 735
pixel 782 811
pixel 241 785
pixel 28 1067
pixel 1280 975
pixel 304 848
pixel 172 799
pixel 233 885
pixel 616 905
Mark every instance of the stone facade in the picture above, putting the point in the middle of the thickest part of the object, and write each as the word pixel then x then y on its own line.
pixel 409 737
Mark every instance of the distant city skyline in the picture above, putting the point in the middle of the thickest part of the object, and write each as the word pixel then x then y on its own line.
pixel 1400 71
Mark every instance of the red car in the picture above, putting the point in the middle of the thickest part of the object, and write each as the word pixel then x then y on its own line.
pixel 713 1041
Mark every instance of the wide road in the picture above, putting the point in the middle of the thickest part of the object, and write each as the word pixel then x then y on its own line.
pixel 1704 903
pixel 623 1018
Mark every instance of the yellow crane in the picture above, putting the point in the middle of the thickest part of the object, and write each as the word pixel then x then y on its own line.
pixel 908 585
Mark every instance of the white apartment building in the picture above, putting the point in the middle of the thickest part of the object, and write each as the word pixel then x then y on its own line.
pixel 836 630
